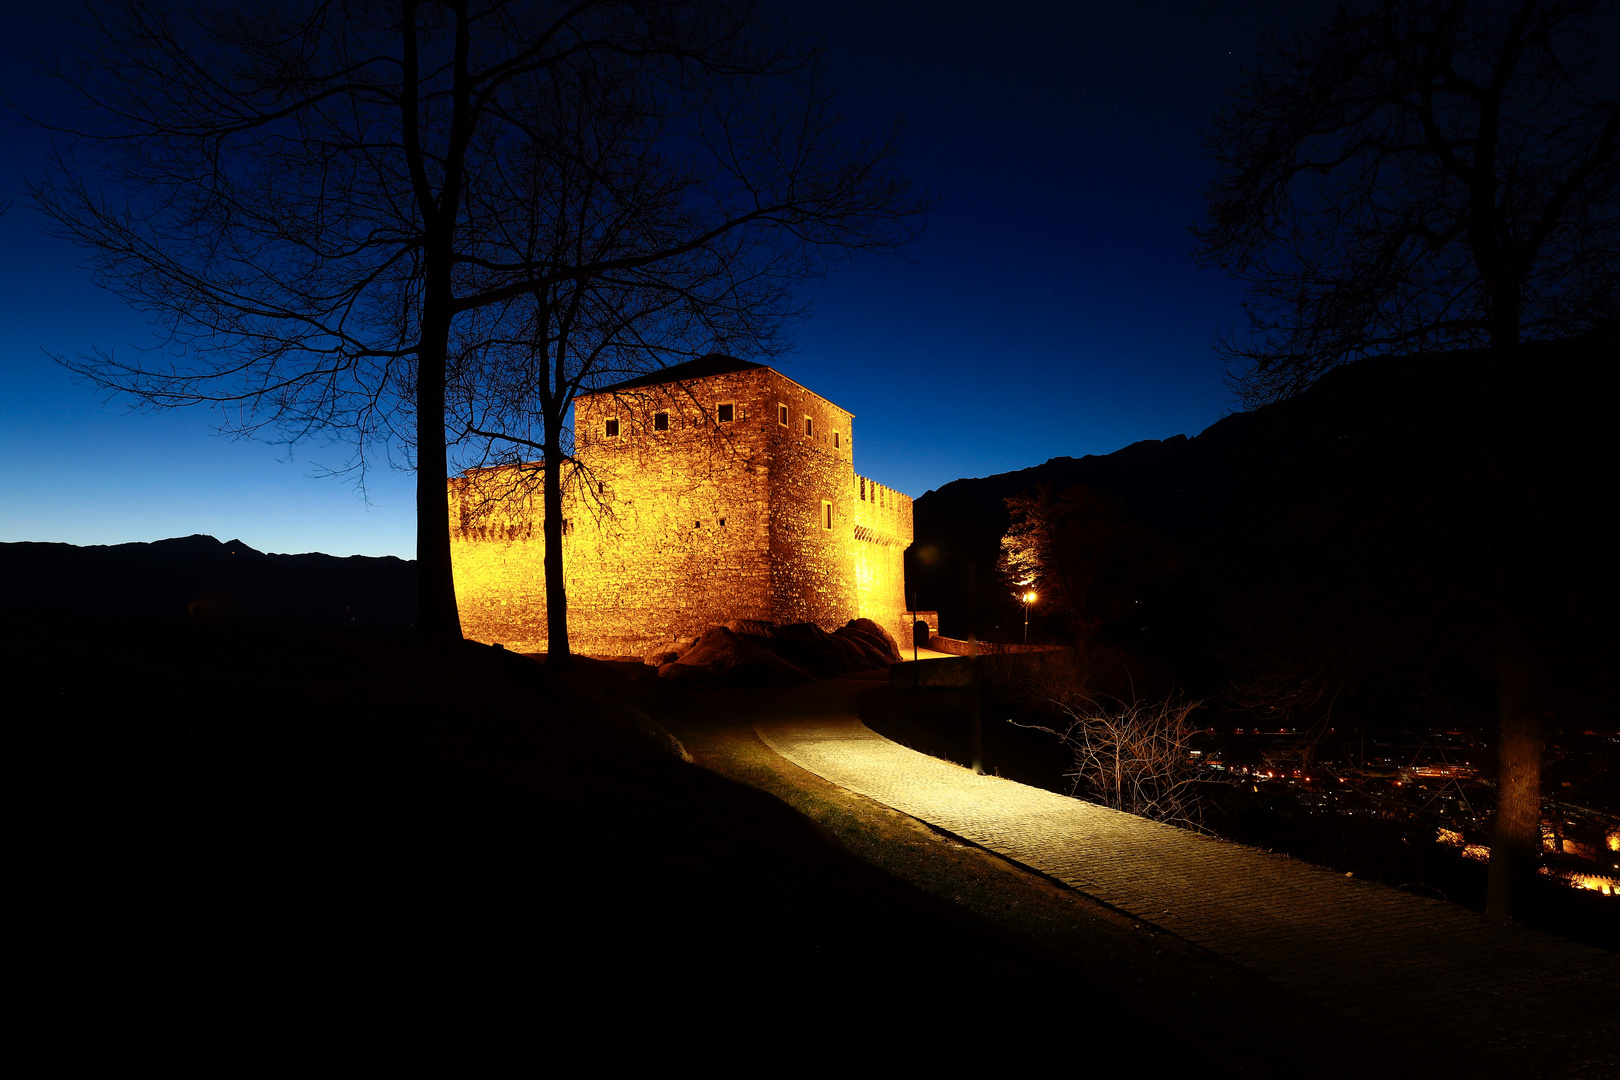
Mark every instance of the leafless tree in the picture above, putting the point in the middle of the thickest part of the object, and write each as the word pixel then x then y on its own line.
pixel 719 175
pixel 1427 174
pixel 1134 756
pixel 398 220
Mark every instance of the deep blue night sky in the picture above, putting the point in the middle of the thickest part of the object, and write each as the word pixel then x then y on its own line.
pixel 1051 308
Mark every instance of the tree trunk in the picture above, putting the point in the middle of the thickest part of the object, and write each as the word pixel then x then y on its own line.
pixel 557 654
pixel 1515 847
pixel 1516 840
pixel 436 611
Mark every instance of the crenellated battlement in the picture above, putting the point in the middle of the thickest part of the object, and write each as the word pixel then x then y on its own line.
pixel 882 514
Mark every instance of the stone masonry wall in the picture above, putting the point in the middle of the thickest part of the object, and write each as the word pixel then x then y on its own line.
pixel 883 531
pixel 812 506
pixel 676 533
pixel 680 520
pixel 496 554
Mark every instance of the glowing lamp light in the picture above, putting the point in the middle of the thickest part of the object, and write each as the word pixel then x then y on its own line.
pixel 1028 598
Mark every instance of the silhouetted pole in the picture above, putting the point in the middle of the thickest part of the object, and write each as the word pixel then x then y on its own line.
pixel 915 677
pixel 913 626
pixel 973 672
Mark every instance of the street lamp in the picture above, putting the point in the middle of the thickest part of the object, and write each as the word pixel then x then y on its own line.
pixel 1028 598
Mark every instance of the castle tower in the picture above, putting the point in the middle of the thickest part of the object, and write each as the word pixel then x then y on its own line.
pixel 714 490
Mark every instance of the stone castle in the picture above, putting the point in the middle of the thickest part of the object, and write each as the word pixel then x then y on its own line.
pixel 713 490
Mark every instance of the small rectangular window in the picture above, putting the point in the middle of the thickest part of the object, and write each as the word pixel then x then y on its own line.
pixel 613 428
pixel 835 440
pixel 660 421
pixel 809 427
pixel 826 514
pixel 725 413
pixel 781 415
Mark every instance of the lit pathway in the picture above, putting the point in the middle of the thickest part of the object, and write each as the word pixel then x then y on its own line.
pixel 1497 1001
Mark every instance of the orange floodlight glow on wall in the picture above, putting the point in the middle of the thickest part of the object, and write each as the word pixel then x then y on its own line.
pixel 706 508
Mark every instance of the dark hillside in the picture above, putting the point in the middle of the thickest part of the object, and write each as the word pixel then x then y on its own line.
pixel 243 840
pixel 201 576
pixel 1358 493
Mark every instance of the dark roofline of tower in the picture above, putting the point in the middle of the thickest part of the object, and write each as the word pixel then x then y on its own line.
pixel 702 368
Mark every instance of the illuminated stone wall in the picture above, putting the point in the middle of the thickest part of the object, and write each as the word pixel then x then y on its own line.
pixel 881 535
pixel 812 506
pixel 496 552
pixel 676 536
pixel 686 516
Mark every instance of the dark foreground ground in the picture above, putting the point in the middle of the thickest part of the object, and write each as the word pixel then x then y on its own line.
pixel 248 841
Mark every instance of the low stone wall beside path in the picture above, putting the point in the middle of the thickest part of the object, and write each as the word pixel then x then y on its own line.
pixel 996 664
pixel 958 647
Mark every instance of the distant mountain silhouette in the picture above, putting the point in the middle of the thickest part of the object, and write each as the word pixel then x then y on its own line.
pixel 199 576
pixel 1365 477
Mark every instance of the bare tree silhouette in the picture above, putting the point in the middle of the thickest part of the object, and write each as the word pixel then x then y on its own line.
pixel 607 187
pixel 1128 754
pixel 357 217
pixel 1432 174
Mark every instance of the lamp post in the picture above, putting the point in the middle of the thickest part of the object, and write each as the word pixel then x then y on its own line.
pixel 976 729
pixel 913 629
pixel 1028 598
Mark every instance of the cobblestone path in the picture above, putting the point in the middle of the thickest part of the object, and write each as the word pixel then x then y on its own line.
pixel 1494 1000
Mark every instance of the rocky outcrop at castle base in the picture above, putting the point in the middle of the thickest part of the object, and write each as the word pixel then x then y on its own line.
pixel 754 652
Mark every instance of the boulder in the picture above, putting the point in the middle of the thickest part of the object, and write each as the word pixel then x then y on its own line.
pixel 797 642
pixel 752 627
pixel 752 651
pixel 813 649
pixel 666 653
pixel 721 655
pixel 867 655
pixel 858 655
pixel 873 634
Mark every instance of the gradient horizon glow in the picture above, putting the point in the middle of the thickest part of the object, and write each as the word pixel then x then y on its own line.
pixel 1051 308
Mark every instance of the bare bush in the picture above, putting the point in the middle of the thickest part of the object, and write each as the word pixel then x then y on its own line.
pixel 1133 756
